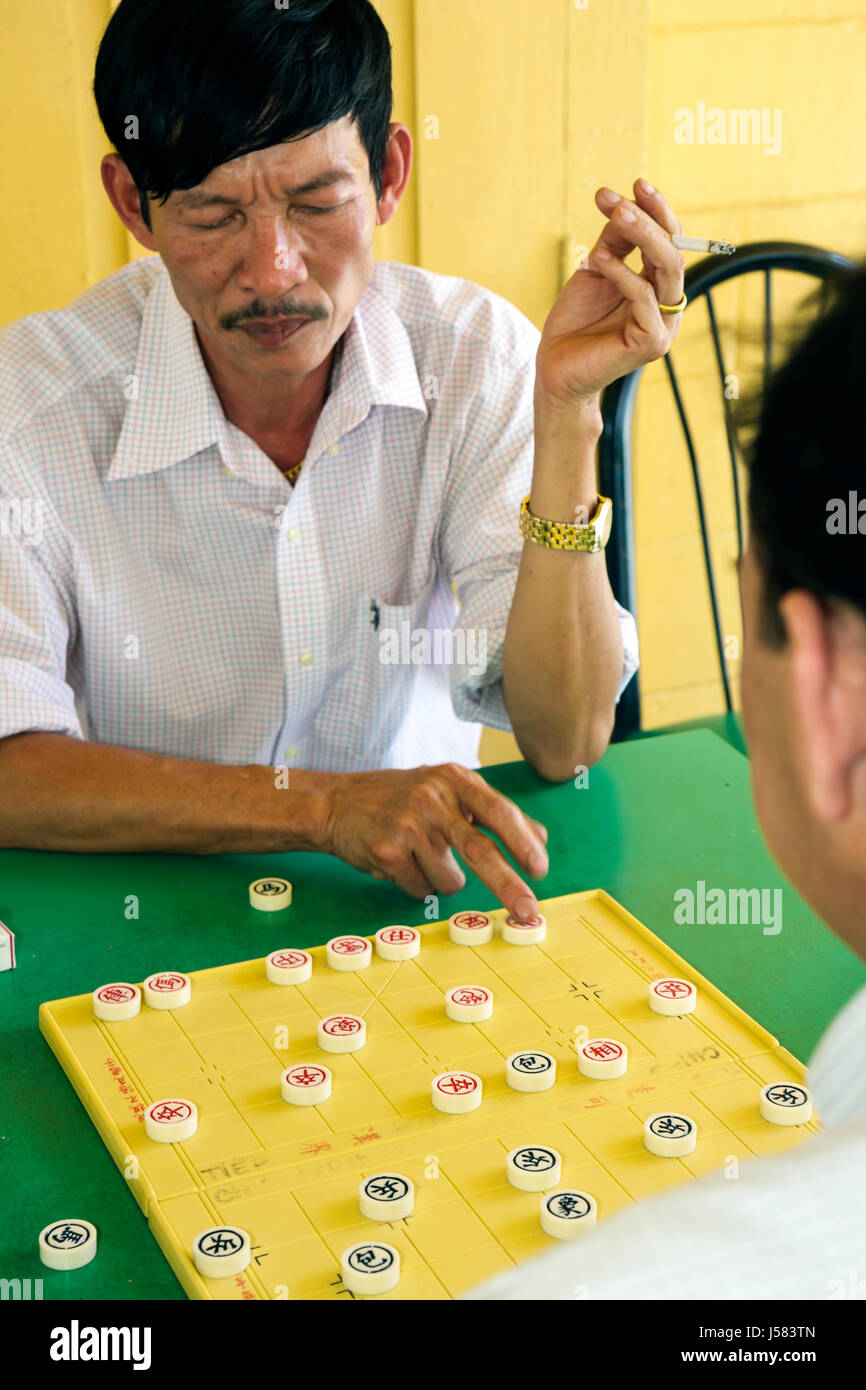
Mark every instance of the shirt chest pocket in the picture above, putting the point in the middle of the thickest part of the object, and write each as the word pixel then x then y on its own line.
pixel 371 691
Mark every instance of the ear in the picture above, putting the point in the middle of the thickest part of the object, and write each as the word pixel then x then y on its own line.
pixel 395 174
pixel 829 724
pixel 123 194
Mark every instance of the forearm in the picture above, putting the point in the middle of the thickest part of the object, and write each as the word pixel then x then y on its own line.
pixel 59 793
pixel 562 659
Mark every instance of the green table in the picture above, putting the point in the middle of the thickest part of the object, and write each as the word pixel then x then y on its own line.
pixel 659 814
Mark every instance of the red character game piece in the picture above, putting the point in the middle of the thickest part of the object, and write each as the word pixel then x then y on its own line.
pixel 342 1033
pixel 170 1121
pixel 306 1084
pixel 456 1092
pixel 167 991
pixel 117 1002
pixel 602 1058
pixel 672 997
pixel 398 943
pixel 348 953
pixel 288 967
pixel 470 928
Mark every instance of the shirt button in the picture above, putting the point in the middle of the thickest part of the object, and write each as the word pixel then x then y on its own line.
pixel 294 533
pixel 306 658
pixel 290 752
pixel 334 449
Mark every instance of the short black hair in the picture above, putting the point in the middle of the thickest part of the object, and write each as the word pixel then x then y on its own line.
pixel 210 80
pixel 809 453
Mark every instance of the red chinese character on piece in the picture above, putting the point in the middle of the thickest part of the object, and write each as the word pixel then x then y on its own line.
pixel 167 1112
pixel 342 1023
pixel 603 1050
pixel 306 1076
pixel 168 983
pixel 470 996
pixel 289 958
pixel 472 919
pixel 456 1084
pixel 349 945
pixel 398 936
pixel 673 989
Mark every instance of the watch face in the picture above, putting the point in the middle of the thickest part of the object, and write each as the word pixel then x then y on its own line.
pixel 605 522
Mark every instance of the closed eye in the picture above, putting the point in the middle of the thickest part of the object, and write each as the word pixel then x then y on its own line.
pixel 310 207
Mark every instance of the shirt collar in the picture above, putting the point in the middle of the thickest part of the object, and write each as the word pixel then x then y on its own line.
pixel 837 1072
pixel 174 411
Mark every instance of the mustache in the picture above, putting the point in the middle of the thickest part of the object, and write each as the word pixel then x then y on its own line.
pixel 255 311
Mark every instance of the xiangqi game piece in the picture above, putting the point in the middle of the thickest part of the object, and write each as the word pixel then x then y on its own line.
pixel 456 1092
pixel 470 928
pixel 371 1267
pixel 398 943
pixel 672 997
pixel 270 894
pixel 568 1213
pixel 669 1134
pixel 348 953
pixel 469 1003
pixel 306 1084
pixel 386 1197
pixel 524 933
pixel 67 1244
pixel 167 991
pixel 602 1058
pixel 785 1103
pixel 221 1251
pixel 171 1121
pixel 533 1168
pixel 342 1033
pixel 530 1071
pixel 116 1003
pixel 289 967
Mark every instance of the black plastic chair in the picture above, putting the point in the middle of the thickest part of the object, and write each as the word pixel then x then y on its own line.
pixel 617 405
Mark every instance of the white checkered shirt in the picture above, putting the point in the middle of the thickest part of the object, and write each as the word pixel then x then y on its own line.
pixel 788 1227
pixel 163 588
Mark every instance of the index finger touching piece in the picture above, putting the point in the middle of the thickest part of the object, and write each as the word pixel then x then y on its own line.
pixel 489 864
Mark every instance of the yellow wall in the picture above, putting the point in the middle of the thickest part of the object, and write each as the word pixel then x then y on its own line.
pixel 520 109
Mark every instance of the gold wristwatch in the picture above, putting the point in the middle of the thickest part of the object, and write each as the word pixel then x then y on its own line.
pixel 560 535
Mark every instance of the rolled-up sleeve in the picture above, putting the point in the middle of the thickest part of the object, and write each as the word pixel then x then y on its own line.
pixel 480 543
pixel 36 622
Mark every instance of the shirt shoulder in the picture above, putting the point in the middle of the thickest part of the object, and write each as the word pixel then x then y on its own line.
pixel 46 357
pixel 456 313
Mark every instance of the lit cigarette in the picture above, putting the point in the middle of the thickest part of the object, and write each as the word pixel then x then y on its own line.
pixel 699 243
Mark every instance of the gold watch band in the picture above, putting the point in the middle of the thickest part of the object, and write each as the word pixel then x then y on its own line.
pixel 561 535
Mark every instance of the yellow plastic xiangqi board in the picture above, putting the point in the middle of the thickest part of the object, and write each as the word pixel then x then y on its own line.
pixel 289 1175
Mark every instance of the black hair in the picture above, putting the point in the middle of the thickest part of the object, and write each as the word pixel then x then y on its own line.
pixel 808 454
pixel 209 80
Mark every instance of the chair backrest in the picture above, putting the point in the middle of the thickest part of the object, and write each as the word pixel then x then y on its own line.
pixel 617 405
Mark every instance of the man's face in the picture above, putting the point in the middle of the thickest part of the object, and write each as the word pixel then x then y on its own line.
pixel 272 252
